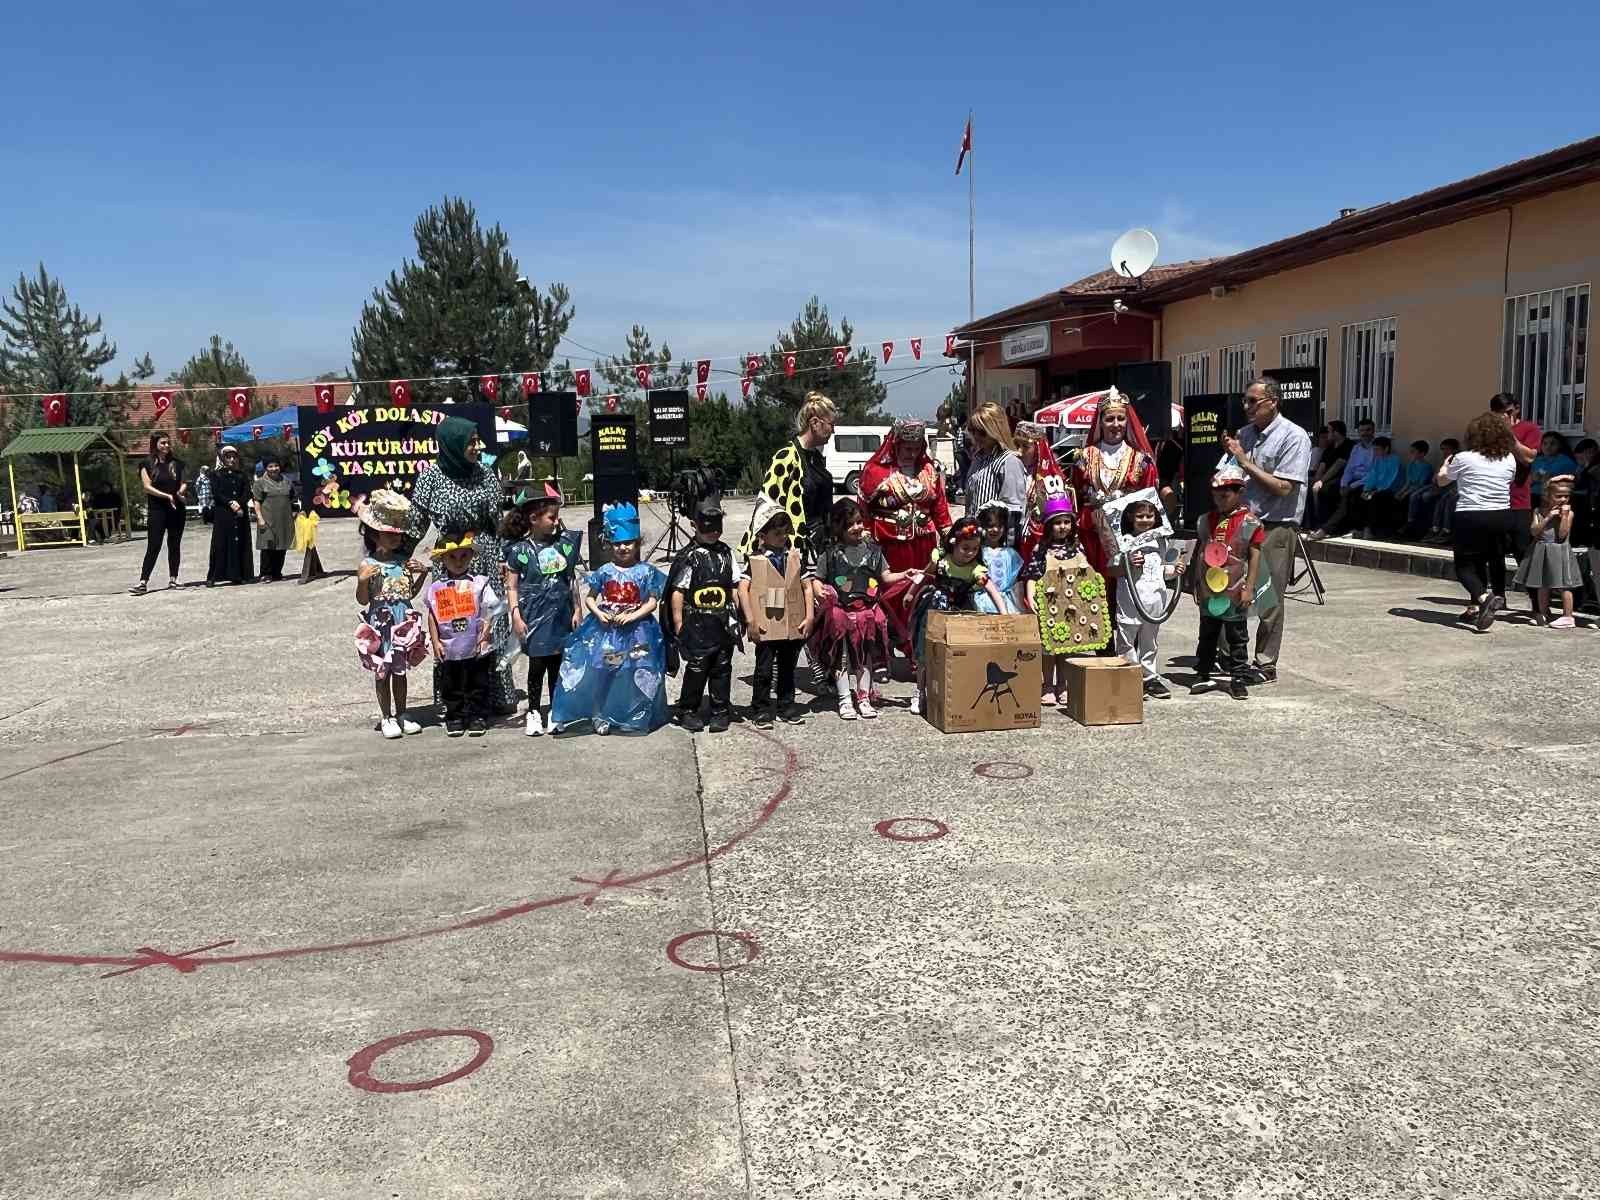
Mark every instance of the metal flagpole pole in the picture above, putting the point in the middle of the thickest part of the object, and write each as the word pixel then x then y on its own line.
pixel 972 304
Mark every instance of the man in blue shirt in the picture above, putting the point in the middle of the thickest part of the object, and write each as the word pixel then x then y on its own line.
pixel 1377 495
pixel 1352 483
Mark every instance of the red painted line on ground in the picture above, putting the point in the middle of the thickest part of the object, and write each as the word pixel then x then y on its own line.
pixel 180 962
pixel 1001 769
pixel 752 949
pixel 611 882
pixel 791 766
pixel 360 1063
pixel 885 829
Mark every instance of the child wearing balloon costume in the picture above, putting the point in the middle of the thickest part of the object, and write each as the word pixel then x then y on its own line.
pixel 613 666
pixel 952 583
pixel 1228 577
pixel 1066 594
pixel 1004 563
pixel 541 569
pixel 852 625
pixel 775 597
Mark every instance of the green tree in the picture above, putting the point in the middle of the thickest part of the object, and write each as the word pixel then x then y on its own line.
pixel 200 397
pixel 616 375
pixel 462 308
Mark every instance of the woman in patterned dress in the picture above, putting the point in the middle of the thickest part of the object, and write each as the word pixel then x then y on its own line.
pixel 1117 460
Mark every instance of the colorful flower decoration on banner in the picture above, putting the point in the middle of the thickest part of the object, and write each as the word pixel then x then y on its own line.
pixel 744 387
pixel 702 370
pixel 530 384
pixel 699 391
pixel 162 401
pixel 788 363
pixel 753 363
pixel 490 386
pixel 916 349
pixel 840 353
pixel 324 397
pixel 332 495
pixel 55 409
pixel 400 392
pixel 582 379
pixel 239 403
pixel 323 469
pixel 888 351
pixel 642 374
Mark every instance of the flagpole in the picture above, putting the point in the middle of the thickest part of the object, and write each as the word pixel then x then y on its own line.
pixel 972 223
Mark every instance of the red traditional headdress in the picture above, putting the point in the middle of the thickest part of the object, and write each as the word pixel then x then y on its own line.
pixel 1137 438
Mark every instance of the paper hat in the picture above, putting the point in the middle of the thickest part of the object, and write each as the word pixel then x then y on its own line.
pixel 766 512
pixel 1058 505
pixel 541 493
pixel 622 523
pixel 453 541
pixel 1229 475
pixel 385 510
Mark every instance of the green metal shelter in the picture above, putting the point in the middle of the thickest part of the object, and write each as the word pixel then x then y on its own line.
pixel 62 528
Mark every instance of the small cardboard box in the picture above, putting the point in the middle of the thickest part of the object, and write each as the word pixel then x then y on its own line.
pixel 1104 691
pixel 983 672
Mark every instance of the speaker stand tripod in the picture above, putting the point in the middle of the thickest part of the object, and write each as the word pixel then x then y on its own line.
pixel 1304 580
pixel 674 535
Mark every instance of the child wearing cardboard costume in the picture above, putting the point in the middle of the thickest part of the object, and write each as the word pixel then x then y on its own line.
pixel 1227 575
pixel 613 667
pixel 1066 594
pixel 462 608
pixel 541 583
pixel 852 620
pixel 952 583
pixel 1143 573
pixel 391 638
pixel 775 597
pixel 702 601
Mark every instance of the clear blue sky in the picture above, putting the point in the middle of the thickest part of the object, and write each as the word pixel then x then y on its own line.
pixel 254 170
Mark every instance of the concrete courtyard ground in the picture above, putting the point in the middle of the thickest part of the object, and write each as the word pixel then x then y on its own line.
pixel 1337 941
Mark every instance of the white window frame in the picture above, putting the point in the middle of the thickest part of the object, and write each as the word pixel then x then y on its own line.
pixel 1544 360
pixel 1237 367
pixel 1194 375
pixel 1308 348
pixel 1367 351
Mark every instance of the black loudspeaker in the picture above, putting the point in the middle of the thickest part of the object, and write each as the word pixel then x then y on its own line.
pixel 553 424
pixel 614 447
pixel 1205 420
pixel 1300 395
pixel 1149 386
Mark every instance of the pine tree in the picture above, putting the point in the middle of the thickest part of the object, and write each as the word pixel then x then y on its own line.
pixel 461 309
pixel 616 375
pixel 200 401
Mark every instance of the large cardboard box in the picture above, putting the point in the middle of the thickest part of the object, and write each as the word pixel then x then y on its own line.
pixel 1104 691
pixel 983 671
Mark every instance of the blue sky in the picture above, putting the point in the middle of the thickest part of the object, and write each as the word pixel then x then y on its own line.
pixel 254 170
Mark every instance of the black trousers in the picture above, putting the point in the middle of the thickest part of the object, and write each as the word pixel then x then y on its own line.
pixel 779 656
pixel 1235 639
pixel 715 669
pixel 272 563
pixel 464 687
pixel 546 666
pixel 165 521
pixel 1520 537
pixel 1480 540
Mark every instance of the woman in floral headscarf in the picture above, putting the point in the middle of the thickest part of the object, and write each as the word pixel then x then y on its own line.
pixel 1117 460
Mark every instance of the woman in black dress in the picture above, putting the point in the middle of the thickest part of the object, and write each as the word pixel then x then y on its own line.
pixel 165 493
pixel 230 523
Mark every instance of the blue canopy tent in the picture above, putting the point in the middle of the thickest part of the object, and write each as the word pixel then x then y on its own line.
pixel 271 424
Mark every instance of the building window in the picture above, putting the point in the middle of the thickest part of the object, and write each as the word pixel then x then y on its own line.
pixel 1368 357
pixel 1238 366
pixel 1546 352
pixel 1194 375
pixel 1309 348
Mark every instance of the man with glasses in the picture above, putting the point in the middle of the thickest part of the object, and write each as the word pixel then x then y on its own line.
pixel 1276 454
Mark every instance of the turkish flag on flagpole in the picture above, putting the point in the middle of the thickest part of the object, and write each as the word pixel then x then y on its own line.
pixel 840 353
pixel 788 363
pixel 490 385
pixel 324 397
pixel 702 371
pixel 582 380
pixel 530 384
pixel 162 401
pixel 888 351
pixel 642 373
pixel 400 392
pixel 916 349
pixel 966 144
pixel 55 408
pixel 239 403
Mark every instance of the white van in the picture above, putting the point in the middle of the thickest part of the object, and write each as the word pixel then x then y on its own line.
pixel 850 448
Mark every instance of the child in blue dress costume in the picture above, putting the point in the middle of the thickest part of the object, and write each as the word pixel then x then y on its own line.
pixel 613 667
pixel 541 582
pixel 1004 563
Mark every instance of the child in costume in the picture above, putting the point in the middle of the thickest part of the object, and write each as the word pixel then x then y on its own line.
pixel 700 592
pixel 1004 563
pixel 952 583
pixel 613 668
pixel 541 587
pixel 1550 565
pixel 1226 569
pixel 1142 576
pixel 390 639
pixel 852 627
pixel 775 597
pixel 461 611
pixel 1066 594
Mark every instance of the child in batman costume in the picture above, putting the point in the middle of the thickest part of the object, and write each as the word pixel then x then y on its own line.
pixel 701 599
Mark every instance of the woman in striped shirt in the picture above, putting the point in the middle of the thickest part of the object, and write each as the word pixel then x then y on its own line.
pixel 996 472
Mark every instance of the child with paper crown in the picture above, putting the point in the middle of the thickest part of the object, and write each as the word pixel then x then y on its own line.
pixel 1066 594
pixel 1227 576
pixel 462 608
pixel 613 666
pixel 775 597
pixel 391 638
pixel 541 581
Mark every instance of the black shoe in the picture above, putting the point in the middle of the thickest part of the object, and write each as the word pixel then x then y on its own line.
pixel 1486 612
pixel 1203 685
pixel 1157 690
pixel 792 714
pixel 1238 691
pixel 720 722
pixel 761 716
pixel 691 721
pixel 455 728
pixel 1252 675
pixel 1265 674
pixel 478 728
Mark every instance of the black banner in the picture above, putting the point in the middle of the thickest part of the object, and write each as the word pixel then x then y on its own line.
pixel 553 424
pixel 1205 420
pixel 1300 389
pixel 669 418
pixel 348 452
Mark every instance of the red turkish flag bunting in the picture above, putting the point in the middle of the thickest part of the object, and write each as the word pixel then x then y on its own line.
pixel 788 363
pixel 162 401
pixel 530 384
pixel 888 351
pixel 611 404
pixel 400 391
pixel 642 373
pixel 239 403
pixel 183 437
pixel 752 364
pixel 582 378
pixel 256 431
pixel 55 409
pixel 216 434
pixel 505 414
pixel 744 387
pixel 490 384
pixel 949 345
pixel 840 353
pixel 916 349
pixel 324 397
pixel 288 430
pixel 702 370
pixel 699 391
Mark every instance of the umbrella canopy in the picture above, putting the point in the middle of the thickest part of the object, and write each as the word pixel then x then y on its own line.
pixel 1077 412
pixel 283 422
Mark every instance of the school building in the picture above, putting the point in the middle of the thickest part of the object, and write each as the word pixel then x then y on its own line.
pixel 1415 311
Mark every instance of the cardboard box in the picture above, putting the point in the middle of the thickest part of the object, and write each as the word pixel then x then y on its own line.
pixel 778 598
pixel 1104 691
pixel 983 671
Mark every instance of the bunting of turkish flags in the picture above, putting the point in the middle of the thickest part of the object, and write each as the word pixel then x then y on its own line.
pixel 642 374
pixel 582 379
pixel 888 351
pixel 840 353
pixel 788 363
pixel 752 364
pixel 950 345
pixel 183 437
pixel 505 414
pixel 611 403
pixel 55 409
pixel 916 349
pixel 162 401
pixel 239 403
pixel 255 432
pixel 530 384
pixel 490 384
pixel 216 434
pixel 699 391
pixel 702 371
pixel 400 392
pixel 744 387
pixel 288 430
pixel 324 397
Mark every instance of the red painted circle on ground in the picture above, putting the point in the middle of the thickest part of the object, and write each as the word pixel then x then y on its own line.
pixel 361 1061
pixel 885 829
pixel 752 949
pixel 1001 769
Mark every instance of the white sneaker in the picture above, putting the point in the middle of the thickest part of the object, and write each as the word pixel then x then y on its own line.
pixel 408 726
pixel 535 726
pixel 864 706
pixel 847 710
pixel 390 728
pixel 916 705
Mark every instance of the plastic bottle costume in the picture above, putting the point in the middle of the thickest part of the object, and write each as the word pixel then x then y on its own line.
pixel 1069 595
pixel 1104 473
pixel 392 637
pixel 948 586
pixel 615 675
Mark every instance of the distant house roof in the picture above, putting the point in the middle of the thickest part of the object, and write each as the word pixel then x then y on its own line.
pixel 1094 287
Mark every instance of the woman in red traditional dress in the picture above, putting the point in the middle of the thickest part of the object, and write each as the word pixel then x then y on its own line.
pixel 904 497
pixel 1117 460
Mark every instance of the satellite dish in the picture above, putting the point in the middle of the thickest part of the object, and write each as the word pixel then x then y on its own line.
pixel 1134 253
